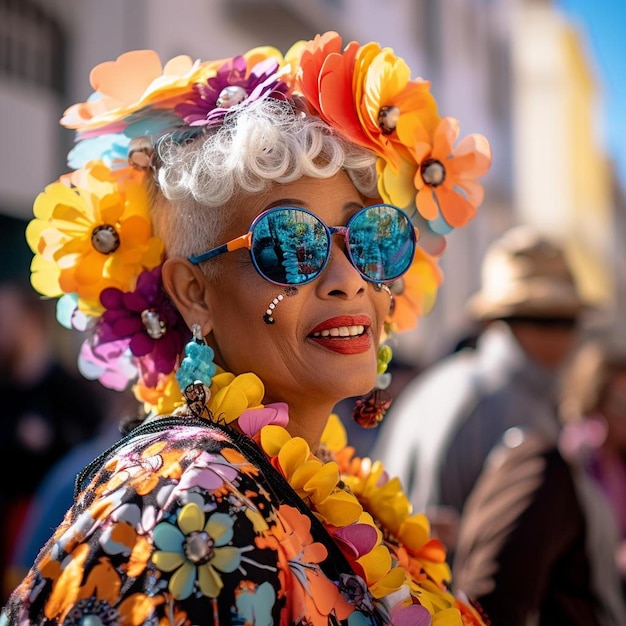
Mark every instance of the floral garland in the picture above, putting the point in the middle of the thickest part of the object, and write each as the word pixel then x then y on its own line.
pixel 367 514
pixel 92 234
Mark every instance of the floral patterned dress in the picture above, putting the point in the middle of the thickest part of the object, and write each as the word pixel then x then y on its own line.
pixel 189 522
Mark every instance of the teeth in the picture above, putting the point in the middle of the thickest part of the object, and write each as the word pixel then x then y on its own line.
pixel 341 331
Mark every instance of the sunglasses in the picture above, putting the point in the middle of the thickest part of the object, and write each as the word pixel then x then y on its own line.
pixel 291 246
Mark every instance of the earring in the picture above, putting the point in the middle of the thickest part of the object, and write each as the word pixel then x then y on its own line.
pixel 196 372
pixel 370 409
pixel 268 318
pixel 385 287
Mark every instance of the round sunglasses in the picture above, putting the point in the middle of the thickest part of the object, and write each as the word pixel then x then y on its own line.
pixel 291 246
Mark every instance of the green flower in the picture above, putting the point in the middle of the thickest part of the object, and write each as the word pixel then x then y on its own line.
pixel 196 550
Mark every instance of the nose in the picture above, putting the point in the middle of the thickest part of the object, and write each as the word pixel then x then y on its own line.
pixel 340 278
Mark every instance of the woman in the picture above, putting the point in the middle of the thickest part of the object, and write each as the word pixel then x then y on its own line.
pixel 237 500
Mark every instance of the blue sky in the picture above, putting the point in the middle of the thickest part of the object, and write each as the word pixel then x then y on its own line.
pixel 603 23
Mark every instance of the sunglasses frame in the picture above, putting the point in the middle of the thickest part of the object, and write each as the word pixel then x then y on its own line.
pixel 245 241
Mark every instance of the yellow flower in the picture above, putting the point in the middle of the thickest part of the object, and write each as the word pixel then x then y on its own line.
pixel 315 482
pixel 273 438
pixel 92 237
pixel 162 399
pixel 395 182
pixel 334 437
pixel 232 395
pixel 196 549
pixel 384 499
pixel 384 93
pixel 414 537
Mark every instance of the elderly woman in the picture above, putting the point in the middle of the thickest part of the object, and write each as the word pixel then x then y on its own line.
pixel 272 207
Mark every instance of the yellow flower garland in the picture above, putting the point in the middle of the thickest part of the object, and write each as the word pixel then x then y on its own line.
pixel 358 494
pixel 405 565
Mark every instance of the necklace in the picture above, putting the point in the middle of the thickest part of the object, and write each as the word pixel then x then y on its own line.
pixel 367 514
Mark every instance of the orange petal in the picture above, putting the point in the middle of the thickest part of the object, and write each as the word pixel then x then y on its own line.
pixel 126 79
pixel 445 136
pixel 456 210
pixel 472 157
pixel 474 191
pixel 426 203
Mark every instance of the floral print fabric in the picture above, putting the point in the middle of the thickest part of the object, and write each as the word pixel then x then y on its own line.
pixel 187 521
pixel 179 527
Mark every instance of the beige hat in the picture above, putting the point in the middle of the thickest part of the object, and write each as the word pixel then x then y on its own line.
pixel 525 274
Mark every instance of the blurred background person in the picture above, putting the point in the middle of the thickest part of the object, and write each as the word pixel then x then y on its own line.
pixel 54 494
pixel 594 413
pixel 47 409
pixel 458 409
pixel 527 549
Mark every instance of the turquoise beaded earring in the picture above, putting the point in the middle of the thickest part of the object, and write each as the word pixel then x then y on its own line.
pixel 196 372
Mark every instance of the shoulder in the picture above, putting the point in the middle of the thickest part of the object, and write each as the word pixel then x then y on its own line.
pixel 183 522
pixel 170 517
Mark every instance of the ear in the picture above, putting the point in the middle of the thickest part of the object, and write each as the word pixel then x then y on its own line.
pixel 188 289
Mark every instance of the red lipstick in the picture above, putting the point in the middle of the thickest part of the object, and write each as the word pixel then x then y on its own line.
pixel 345 334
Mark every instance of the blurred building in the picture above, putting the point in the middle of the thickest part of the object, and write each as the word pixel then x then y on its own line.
pixel 563 179
pixel 512 70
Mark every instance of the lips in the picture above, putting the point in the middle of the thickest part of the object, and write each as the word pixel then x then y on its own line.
pixel 345 334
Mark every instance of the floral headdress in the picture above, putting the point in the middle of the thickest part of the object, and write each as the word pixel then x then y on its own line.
pixel 92 235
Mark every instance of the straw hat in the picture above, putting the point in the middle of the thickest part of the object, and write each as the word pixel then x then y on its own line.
pixel 525 274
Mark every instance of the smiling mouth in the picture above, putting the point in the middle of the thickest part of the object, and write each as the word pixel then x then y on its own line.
pixel 340 332
pixel 344 334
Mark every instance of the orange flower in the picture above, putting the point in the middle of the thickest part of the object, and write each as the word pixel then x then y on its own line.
pixel 162 399
pixel 363 91
pixel 418 292
pixel 445 175
pixel 325 79
pixel 299 557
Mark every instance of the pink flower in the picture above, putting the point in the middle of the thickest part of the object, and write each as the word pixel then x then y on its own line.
pixel 110 363
pixel 253 420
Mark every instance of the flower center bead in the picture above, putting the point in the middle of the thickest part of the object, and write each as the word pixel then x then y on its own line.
pixel 199 547
pixel 433 172
pixel 388 119
pixel 230 96
pixel 104 239
pixel 153 325
pixel 141 153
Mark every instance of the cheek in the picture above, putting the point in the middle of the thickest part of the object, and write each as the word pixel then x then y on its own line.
pixel 241 337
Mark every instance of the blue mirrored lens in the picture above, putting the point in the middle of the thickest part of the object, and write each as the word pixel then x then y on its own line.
pixel 381 242
pixel 289 247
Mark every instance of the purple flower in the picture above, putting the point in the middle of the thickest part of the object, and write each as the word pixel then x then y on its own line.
pixel 203 109
pixel 146 318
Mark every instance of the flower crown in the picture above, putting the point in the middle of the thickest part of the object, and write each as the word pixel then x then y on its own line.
pixel 92 235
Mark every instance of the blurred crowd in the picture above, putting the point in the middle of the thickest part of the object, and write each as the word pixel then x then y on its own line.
pixel 54 422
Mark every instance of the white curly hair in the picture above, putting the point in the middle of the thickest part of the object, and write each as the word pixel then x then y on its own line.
pixel 200 182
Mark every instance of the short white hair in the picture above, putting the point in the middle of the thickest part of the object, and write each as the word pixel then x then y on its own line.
pixel 201 181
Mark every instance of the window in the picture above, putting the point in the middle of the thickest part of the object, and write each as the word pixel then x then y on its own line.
pixel 31 45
